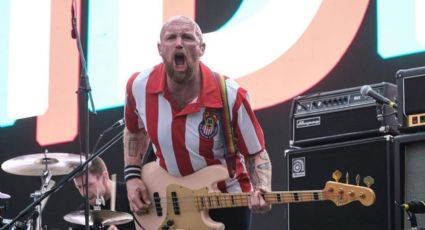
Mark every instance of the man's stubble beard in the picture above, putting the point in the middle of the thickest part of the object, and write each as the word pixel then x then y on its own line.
pixel 178 77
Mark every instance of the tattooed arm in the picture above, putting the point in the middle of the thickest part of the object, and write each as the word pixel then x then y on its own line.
pixel 260 172
pixel 135 147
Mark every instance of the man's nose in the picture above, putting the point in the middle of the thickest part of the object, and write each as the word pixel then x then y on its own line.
pixel 179 42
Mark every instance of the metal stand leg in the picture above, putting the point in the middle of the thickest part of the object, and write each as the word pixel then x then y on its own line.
pixel 46 184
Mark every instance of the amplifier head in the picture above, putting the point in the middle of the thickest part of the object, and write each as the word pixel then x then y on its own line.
pixel 411 98
pixel 343 114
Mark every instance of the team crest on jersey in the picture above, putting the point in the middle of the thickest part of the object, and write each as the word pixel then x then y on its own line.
pixel 208 128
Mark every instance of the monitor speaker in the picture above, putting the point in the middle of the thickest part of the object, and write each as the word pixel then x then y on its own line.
pixel 411 98
pixel 310 168
pixel 410 152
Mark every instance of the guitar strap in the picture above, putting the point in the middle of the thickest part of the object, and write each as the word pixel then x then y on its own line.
pixel 230 148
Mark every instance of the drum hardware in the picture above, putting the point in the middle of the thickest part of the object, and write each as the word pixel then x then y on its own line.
pixel 99 218
pixel 46 184
pixel 3 221
pixel 44 165
pixel 4 196
pixel 99 201
pixel 3 204
pixel 72 170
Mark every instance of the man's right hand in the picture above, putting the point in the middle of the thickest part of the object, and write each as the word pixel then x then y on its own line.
pixel 138 196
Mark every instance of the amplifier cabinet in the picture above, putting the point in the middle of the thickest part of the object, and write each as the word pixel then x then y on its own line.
pixel 341 115
pixel 410 158
pixel 311 167
pixel 411 98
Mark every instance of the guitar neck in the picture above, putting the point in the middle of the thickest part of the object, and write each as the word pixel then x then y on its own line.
pixel 229 200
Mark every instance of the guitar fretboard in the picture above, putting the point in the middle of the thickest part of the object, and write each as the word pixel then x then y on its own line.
pixel 228 200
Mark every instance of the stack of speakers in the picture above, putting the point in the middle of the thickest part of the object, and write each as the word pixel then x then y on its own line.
pixel 343 130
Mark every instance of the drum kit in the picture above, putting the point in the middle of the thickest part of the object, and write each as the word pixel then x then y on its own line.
pixel 47 165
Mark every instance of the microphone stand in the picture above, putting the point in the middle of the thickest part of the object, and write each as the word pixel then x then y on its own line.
pixel 412 219
pixel 84 95
pixel 64 180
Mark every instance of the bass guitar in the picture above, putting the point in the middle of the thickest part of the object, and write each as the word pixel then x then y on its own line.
pixel 183 202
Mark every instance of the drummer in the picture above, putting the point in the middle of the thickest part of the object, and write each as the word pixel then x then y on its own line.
pixel 99 187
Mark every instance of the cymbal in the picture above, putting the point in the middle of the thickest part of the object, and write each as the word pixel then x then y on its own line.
pixel 99 217
pixel 35 164
pixel 4 196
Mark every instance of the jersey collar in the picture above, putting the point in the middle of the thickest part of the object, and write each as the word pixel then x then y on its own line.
pixel 210 93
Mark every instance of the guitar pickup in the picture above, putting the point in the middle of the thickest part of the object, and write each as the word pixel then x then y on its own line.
pixel 157 201
pixel 175 200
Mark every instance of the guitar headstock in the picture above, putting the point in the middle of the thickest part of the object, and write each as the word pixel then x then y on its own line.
pixel 343 193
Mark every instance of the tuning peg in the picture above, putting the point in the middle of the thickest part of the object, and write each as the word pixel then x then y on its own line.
pixel 369 181
pixel 336 175
pixel 347 178
pixel 357 179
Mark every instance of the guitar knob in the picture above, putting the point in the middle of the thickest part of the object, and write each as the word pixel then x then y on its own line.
pixel 336 175
pixel 170 223
pixel 369 181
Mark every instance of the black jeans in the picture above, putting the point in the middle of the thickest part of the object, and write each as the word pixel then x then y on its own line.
pixel 233 218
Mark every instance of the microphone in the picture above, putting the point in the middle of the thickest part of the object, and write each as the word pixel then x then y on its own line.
pixel 118 123
pixel 115 125
pixel 366 90
pixel 415 206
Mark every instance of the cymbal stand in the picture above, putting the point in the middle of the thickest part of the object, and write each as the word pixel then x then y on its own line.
pixel 46 184
pixel 99 201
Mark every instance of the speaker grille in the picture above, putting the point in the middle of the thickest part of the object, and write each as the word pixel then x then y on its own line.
pixel 415 174
pixel 410 150
pixel 414 95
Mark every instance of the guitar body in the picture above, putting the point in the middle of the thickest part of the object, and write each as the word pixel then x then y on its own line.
pixel 174 198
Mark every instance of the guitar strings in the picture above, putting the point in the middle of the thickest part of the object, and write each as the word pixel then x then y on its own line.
pixel 290 196
pixel 225 199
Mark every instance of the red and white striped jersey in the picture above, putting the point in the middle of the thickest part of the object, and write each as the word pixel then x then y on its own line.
pixel 190 139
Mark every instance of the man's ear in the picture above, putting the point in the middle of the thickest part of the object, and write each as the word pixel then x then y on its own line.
pixel 105 176
pixel 203 45
pixel 158 45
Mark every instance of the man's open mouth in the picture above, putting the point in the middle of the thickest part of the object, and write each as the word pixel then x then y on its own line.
pixel 179 59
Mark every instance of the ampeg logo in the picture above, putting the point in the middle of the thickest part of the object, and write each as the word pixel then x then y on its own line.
pixel 298 167
pixel 308 122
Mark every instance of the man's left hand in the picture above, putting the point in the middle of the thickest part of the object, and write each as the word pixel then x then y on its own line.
pixel 257 204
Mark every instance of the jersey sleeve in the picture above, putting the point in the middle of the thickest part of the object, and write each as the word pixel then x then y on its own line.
pixel 247 130
pixel 132 119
